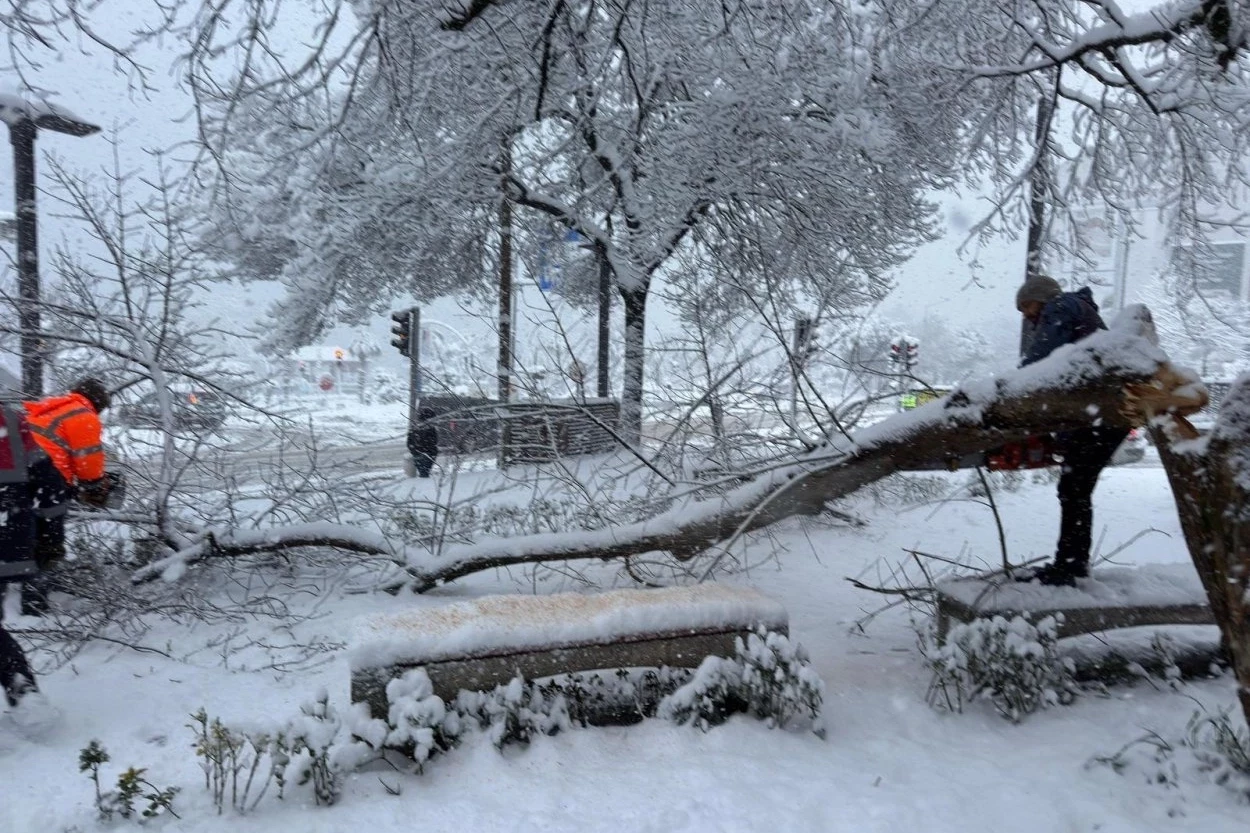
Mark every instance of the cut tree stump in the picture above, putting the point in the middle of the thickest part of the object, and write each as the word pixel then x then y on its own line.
pixel 479 644
pixel 1113 597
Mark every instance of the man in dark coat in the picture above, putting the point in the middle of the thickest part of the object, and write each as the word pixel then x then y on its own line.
pixel 1053 318
pixel 423 442
pixel 17 540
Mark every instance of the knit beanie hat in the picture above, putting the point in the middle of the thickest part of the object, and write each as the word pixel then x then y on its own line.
pixel 1039 288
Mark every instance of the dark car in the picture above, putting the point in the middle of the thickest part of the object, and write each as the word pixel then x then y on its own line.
pixel 201 410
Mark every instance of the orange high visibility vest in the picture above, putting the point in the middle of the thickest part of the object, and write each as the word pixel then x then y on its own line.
pixel 68 429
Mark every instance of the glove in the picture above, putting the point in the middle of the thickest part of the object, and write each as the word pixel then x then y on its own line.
pixel 95 492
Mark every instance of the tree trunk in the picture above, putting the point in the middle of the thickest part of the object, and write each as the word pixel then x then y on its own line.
pixel 1211 485
pixel 635 355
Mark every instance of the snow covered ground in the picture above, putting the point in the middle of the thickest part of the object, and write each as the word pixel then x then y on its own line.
pixel 889 763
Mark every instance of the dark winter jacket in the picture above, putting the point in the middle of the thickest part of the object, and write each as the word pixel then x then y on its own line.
pixel 424 438
pixel 1065 319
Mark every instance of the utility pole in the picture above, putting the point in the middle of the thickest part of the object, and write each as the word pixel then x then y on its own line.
pixel 25 120
pixel 605 321
pixel 22 135
pixel 505 284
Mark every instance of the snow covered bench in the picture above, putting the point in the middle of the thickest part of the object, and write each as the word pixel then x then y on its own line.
pixel 1113 597
pixel 482 643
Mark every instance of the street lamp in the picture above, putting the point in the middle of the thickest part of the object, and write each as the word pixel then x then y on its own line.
pixel 25 119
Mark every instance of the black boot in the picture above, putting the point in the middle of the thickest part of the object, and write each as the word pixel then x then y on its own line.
pixel 15 675
pixel 1056 574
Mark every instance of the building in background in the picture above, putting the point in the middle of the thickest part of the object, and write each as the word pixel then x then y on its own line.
pixel 1123 260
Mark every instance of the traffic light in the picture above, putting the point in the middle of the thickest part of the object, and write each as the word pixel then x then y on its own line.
pixel 905 351
pixel 402 330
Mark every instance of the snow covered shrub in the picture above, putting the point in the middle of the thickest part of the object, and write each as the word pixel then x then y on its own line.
pixel 1213 749
pixel 769 677
pixel 314 752
pixel 316 747
pixel 131 788
pixel 1012 663
pixel 418 722
pixel 515 712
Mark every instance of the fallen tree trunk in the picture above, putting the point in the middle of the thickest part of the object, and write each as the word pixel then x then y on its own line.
pixel 1210 480
pixel 1079 385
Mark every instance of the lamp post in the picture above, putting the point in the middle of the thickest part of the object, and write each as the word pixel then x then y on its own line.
pixel 25 119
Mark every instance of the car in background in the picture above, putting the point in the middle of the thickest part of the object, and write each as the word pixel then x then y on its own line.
pixel 1131 450
pixel 195 409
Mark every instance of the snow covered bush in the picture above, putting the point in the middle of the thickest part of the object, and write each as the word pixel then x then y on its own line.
pixel 418 722
pixel 769 677
pixel 515 712
pixel 1013 663
pixel 1213 749
pixel 316 747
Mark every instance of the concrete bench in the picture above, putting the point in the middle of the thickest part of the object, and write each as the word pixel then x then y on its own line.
pixel 485 642
pixel 1112 597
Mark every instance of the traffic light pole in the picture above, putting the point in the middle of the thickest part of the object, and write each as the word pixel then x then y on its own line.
pixel 414 366
pixel 407 340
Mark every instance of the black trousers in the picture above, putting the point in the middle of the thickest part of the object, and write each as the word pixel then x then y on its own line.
pixel 1085 454
pixel 424 463
pixel 16 678
pixel 49 552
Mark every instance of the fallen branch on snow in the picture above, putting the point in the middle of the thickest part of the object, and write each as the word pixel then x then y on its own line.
pixel 1078 385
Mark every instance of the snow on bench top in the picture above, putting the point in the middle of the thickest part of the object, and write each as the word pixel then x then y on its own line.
pixel 1155 585
pixel 503 624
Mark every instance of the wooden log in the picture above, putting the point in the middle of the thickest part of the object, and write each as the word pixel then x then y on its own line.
pixel 1125 656
pixel 1114 597
pixel 479 644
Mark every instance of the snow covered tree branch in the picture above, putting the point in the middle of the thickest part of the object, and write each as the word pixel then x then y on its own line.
pixel 1077 386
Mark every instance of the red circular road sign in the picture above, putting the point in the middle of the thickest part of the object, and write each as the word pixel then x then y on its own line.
pixel 326 383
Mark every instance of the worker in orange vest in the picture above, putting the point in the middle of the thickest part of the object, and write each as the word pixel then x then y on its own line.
pixel 68 429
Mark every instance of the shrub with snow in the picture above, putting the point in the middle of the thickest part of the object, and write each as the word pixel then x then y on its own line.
pixel 418 723
pixel 1013 663
pixel 769 677
pixel 1214 749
